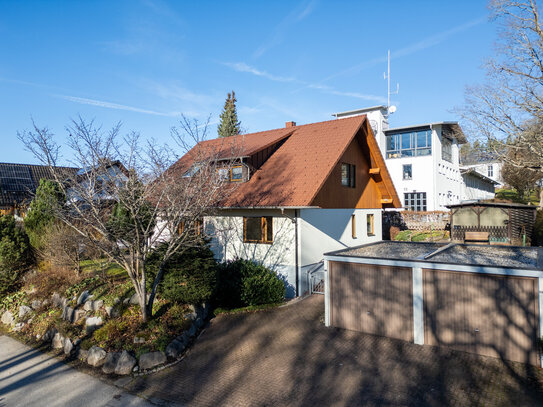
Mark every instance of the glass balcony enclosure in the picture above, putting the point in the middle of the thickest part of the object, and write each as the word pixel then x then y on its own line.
pixel 410 143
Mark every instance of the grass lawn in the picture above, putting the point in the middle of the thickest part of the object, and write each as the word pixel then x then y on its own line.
pixel 512 195
pixel 421 236
pixel 101 265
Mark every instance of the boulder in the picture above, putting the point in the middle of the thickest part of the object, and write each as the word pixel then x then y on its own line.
pixel 134 300
pixel 174 349
pixel 84 296
pixel 68 346
pixel 58 301
pixel 82 354
pixel 35 304
pixel 93 323
pixel 49 335
pixel 78 314
pixel 58 341
pixel 139 339
pixel 7 318
pixel 192 330
pixel 125 364
pixel 96 356
pixel 68 314
pixel 113 312
pixel 111 362
pixel 91 305
pixel 152 359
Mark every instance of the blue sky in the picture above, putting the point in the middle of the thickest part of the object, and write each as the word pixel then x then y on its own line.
pixel 144 62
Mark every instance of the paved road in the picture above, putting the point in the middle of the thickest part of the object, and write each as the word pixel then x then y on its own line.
pixel 286 357
pixel 31 378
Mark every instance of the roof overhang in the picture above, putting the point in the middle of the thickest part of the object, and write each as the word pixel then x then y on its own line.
pixel 355 112
pixel 457 132
pixel 472 171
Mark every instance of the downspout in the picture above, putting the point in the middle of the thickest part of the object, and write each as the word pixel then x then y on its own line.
pixel 296 251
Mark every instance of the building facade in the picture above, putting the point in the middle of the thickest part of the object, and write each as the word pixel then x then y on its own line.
pixel 424 162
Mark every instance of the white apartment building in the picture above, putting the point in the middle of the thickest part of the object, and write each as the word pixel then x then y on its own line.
pixel 423 161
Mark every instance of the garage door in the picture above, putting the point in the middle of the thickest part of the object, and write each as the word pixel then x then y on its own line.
pixel 485 314
pixel 372 299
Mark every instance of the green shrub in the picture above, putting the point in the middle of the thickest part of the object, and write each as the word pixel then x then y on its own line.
pixel 42 212
pixel 189 277
pixel 245 283
pixel 15 254
pixel 262 287
pixel 537 239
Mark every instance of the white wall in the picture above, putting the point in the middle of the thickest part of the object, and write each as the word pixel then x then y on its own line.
pixel 227 242
pixel 483 169
pixel 325 230
pixel 474 188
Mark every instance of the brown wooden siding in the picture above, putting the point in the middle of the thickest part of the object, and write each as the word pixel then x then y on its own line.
pixel 372 299
pixel 484 314
pixel 366 192
pixel 256 160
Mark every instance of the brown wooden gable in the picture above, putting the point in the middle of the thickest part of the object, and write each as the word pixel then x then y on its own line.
pixel 373 185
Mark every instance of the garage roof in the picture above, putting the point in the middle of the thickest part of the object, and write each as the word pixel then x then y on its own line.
pixel 455 253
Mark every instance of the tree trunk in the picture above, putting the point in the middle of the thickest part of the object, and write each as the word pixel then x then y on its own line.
pixel 154 289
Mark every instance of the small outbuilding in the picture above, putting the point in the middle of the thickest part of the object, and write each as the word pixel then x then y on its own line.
pixel 504 222
pixel 480 299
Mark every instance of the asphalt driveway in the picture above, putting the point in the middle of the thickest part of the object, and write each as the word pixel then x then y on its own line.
pixel 286 357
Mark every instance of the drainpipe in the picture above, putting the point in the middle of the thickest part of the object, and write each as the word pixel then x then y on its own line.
pixel 296 230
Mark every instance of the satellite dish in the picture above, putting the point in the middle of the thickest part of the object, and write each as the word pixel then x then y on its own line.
pixel 391 109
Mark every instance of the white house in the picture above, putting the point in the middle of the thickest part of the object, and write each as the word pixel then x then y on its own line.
pixel 300 191
pixel 490 169
pixel 423 161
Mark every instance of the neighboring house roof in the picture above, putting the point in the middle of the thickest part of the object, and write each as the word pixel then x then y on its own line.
pixel 18 182
pixel 493 204
pixel 341 115
pixel 454 129
pixel 296 171
pixel 475 173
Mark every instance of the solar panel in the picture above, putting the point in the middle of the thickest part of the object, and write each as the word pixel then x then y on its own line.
pixel 16 179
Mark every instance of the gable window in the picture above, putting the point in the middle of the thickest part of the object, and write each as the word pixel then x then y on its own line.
pixel 446 149
pixel 236 173
pixel 415 201
pixel 369 224
pixel 258 229
pixel 407 172
pixel 348 172
pixel 412 143
pixel 490 170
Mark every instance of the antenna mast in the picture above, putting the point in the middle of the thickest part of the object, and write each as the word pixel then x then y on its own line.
pixel 387 77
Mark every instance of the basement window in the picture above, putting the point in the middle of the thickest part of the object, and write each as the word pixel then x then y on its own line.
pixel 258 229
pixel 348 172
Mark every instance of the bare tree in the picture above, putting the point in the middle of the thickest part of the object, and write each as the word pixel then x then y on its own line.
pixel 127 200
pixel 508 109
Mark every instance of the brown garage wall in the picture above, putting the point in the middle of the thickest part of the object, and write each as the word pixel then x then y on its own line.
pixel 485 314
pixel 372 299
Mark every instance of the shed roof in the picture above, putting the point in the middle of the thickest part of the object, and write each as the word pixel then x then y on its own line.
pixel 493 204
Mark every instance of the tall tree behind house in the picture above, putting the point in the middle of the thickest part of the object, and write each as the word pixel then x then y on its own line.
pixel 229 125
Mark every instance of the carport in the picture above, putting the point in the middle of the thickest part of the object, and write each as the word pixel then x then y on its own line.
pixel 480 299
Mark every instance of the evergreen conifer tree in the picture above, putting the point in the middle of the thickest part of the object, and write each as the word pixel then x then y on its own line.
pixel 229 125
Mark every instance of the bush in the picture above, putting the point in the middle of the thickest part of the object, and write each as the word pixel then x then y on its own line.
pixel 189 277
pixel 15 254
pixel 537 239
pixel 42 212
pixel 245 283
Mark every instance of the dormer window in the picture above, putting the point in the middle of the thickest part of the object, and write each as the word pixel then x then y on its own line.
pixel 223 174
pixel 348 172
pixel 192 171
pixel 236 174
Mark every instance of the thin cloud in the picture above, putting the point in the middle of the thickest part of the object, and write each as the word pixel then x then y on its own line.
pixel 278 33
pixel 116 106
pixel 243 67
pixel 412 48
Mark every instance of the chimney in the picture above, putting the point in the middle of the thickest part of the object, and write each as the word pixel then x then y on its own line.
pixel 290 124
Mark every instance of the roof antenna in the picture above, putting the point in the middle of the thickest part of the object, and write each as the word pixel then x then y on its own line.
pixel 391 109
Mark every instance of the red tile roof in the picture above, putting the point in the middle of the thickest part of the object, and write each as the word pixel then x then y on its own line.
pixel 294 174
